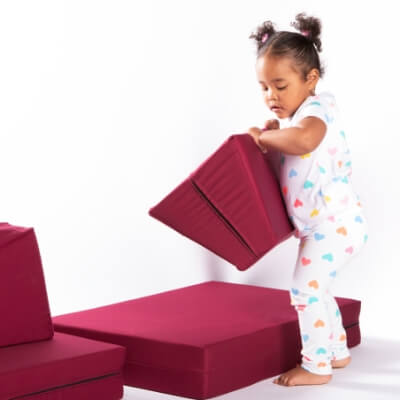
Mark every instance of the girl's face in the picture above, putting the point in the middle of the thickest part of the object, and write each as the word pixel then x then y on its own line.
pixel 283 87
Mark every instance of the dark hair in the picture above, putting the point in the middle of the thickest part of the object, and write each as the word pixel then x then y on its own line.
pixel 301 47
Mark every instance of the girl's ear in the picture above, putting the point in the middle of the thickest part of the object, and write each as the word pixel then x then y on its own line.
pixel 312 78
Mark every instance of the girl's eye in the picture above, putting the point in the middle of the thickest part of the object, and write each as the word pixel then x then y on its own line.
pixel 279 88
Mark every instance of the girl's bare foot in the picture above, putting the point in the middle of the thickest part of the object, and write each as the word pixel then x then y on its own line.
pixel 299 376
pixel 341 363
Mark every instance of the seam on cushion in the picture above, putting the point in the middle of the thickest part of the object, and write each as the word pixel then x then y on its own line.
pixel 351 325
pixel 44 339
pixel 85 381
pixel 223 218
pixel 251 178
pixel 206 367
pixel 203 370
pixel 62 361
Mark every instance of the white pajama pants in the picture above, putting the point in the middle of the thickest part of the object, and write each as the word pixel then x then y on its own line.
pixel 322 253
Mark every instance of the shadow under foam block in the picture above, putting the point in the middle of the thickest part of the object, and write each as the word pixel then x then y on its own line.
pixel 231 204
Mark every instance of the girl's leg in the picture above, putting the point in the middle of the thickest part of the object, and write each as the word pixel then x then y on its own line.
pixel 338 343
pixel 357 233
pixel 321 254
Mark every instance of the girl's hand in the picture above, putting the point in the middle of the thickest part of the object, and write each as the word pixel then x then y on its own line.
pixel 255 133
pixel 272 124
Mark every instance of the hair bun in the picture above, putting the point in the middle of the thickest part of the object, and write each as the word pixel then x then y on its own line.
pixel 310 27
pixel 264 31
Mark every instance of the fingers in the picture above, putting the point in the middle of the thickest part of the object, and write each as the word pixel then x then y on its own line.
pixel 272 124
pixel 255 133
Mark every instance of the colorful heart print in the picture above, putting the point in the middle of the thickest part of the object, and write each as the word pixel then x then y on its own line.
pixel 342 230
pixel 328 257
pixel 332 151
pixel 298 203
pixel 313 284
pixel 318 236
pixel 303 156
pixel 312 300
pixel 319 324
pixel 308 184
pixel 345 200
pixel 349 250
pixel 305 261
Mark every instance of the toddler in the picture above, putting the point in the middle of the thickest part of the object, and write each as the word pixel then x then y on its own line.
pixel 315 180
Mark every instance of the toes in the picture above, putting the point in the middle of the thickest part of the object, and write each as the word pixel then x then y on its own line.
pixel 286 381
pixel 279 380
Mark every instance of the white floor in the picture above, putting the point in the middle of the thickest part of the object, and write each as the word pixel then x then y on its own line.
pixel 373 374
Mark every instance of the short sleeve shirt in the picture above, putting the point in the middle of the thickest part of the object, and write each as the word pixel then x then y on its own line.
pixel 318 184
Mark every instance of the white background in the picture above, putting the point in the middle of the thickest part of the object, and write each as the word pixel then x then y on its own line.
pixel 106 106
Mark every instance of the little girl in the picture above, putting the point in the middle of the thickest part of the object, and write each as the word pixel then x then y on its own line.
pixel 315 170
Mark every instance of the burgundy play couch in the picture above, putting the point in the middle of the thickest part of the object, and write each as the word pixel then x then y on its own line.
pixel 199 341
pixel 37 363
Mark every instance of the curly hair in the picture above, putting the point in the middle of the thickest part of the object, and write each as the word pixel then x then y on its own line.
pixel 302 47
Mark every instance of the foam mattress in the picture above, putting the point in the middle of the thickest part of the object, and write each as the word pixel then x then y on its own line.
pixel 203 340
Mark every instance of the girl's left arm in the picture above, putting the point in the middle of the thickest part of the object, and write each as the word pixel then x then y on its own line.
pixel 296 140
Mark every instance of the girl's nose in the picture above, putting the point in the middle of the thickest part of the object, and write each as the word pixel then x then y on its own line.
pixel 272 95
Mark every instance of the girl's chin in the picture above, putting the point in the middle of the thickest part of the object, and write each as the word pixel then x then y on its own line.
pixel 280 113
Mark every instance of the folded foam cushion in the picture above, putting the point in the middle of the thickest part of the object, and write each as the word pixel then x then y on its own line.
pixel 24 306
pixel 203 340
pixel 64 367
pixel 231 204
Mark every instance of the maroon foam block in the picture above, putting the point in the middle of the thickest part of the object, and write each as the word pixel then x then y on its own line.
pixel 203 340
pixel 65 367
pixel 231 204
pixel 36 362
pixel 24 306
